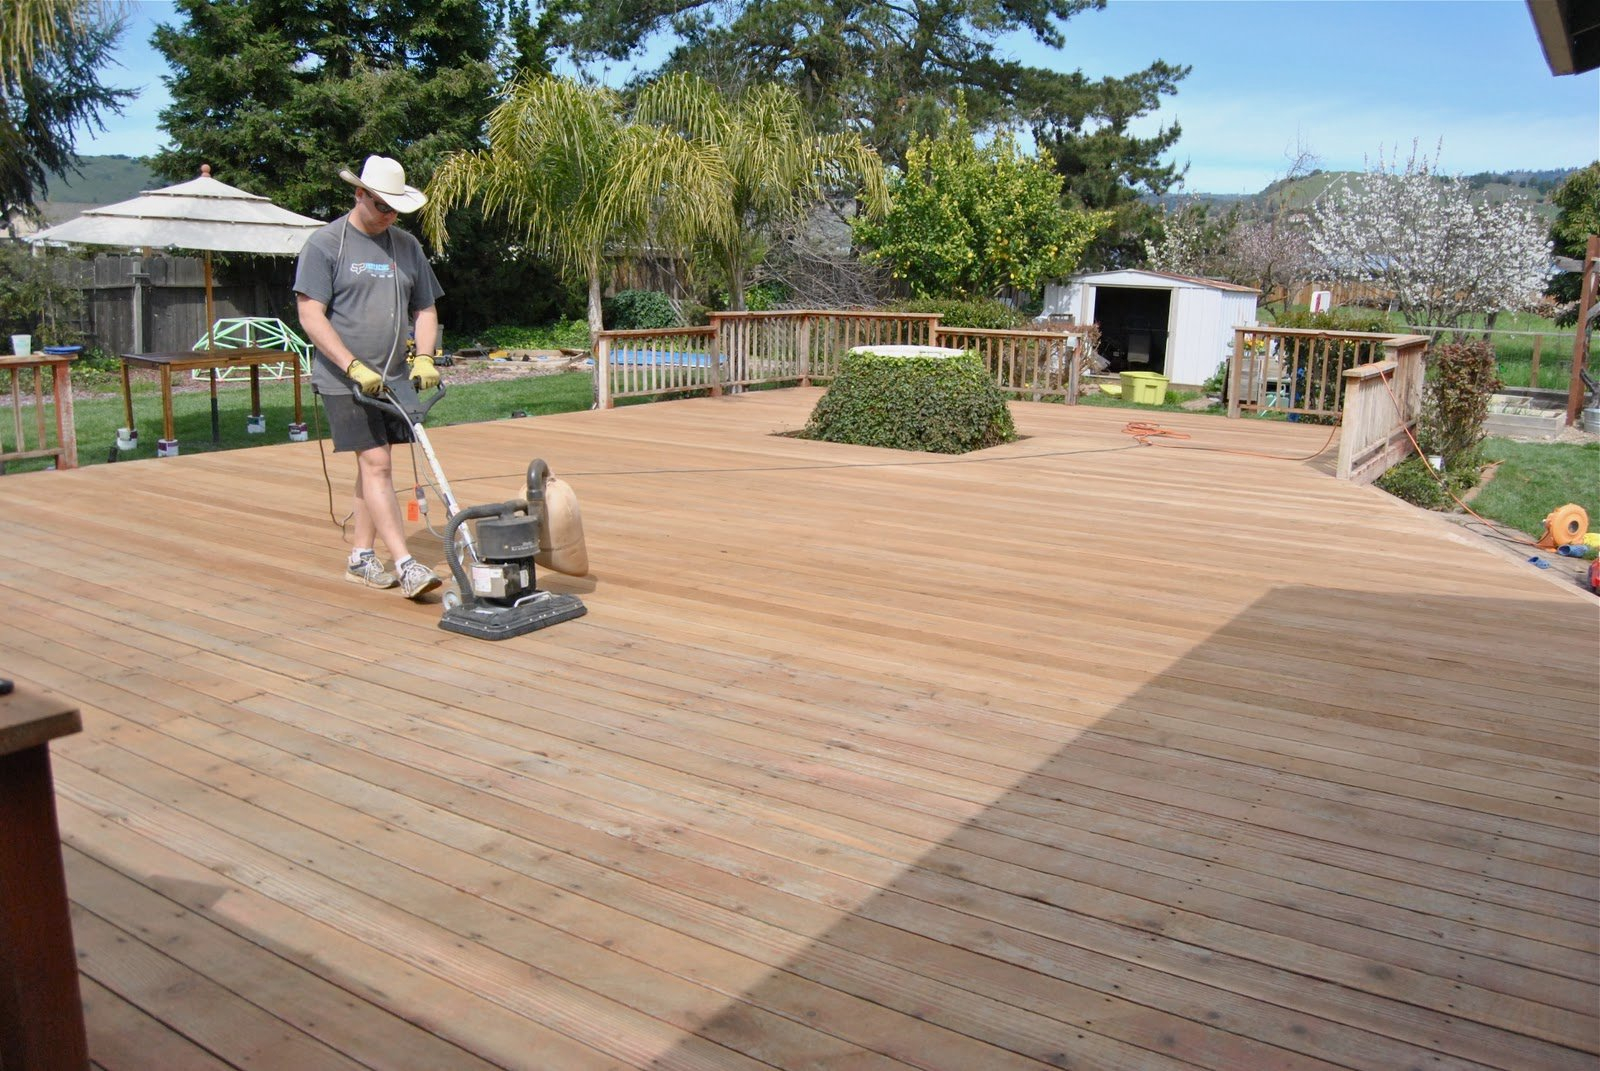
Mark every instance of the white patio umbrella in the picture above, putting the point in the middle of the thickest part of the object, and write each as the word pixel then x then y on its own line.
pixel 199 214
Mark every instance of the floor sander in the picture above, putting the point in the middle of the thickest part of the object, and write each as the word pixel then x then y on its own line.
pixel 493 549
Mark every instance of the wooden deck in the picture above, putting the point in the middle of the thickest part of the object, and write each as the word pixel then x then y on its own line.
pixel 1072 753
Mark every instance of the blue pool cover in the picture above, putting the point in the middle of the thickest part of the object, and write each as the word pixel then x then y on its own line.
pixel 661 357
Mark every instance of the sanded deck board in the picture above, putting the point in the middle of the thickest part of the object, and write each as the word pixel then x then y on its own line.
pixel 1264 763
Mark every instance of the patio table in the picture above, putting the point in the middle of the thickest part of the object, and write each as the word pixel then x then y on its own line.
pixel 250 357
pixel 41 1012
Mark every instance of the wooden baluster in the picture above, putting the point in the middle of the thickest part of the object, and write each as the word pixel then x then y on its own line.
pixel 38 407
pixel 804 344
pixel 16 417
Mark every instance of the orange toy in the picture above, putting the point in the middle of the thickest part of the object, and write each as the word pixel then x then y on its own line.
pixel 1565 525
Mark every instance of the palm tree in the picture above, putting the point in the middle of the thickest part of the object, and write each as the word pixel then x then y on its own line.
pixel 778 166
pixel 573 178
pixel 31 28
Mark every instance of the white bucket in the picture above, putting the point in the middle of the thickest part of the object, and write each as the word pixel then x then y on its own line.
pixel 22 345
pixel 1590 420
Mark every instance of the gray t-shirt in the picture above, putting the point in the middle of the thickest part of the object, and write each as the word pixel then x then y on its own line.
pixel 373 287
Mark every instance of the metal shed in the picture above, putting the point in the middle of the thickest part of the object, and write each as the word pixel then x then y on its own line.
pixel 1178 325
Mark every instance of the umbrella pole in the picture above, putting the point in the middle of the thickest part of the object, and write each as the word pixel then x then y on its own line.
pixel 211 345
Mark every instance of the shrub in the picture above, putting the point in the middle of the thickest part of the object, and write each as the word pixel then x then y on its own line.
pixel 35 301
pixel 633 310
pixel 1414 481
pixel 1339 320
pixel 1455 400
pixel 571 334
pixel 982 313
pixel 765 296
pixel 943 405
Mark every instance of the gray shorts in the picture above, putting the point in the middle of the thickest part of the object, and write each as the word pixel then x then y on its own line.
pixel 358 427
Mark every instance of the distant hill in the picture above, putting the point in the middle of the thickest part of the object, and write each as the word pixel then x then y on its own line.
pixel 104 180
pixel 1534 187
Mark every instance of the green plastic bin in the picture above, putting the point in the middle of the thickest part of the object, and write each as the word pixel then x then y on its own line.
pixel 1144 388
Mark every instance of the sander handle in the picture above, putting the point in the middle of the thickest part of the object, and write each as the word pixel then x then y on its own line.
pixel 400 397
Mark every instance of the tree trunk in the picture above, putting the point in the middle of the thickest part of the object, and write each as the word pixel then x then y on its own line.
pixel 596 321
pixel 735 283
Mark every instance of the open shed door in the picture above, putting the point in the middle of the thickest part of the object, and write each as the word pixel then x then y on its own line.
pixel 1133 327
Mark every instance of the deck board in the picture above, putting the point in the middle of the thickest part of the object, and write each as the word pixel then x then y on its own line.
pixel 1071 753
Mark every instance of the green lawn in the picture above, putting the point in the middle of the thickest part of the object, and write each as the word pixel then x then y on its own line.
pixel 99 418
pixel 1535 478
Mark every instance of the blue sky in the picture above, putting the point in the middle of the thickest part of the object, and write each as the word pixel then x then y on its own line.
pixel 1344 80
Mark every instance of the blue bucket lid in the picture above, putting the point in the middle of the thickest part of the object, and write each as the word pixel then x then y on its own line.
pixel 56 351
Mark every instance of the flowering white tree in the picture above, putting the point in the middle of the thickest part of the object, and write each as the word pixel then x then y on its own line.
pixel 1192 243
pixel 1423 238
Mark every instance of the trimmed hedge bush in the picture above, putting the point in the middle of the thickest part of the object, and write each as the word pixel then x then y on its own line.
pixel 942 405
pixel 632 310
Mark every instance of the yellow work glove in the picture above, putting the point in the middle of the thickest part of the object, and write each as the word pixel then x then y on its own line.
pixel 366 380
pixel 423 374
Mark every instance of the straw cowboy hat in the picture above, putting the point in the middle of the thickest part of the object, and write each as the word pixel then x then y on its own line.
pixel 386 179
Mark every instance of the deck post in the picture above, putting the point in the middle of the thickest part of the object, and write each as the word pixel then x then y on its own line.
pixel 1588 297
pixel 602 373
pixel 714 355
pixel 1233 372
pixel 1074 363
pixel 803 341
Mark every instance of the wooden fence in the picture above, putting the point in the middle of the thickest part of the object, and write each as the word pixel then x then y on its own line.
pixel 153 304
pixel 748 349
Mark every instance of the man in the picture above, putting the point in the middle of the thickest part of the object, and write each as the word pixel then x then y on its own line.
pixel 361 286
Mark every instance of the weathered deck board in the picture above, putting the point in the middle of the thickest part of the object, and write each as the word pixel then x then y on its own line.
pixel 1075 752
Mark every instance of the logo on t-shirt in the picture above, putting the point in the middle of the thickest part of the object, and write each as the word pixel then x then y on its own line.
pixel 381 270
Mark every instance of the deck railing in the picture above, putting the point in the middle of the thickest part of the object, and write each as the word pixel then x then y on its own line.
pixel 749 349
pixel 1033 365
pixel 1382 402
pixel 1369 383
pixel 667 360
pixel 1300 371
pixel 62 447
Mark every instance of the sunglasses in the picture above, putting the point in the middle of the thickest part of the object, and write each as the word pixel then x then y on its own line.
pixel 386 209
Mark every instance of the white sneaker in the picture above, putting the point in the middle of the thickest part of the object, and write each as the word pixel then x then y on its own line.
pixel 416 579
pixel 369 570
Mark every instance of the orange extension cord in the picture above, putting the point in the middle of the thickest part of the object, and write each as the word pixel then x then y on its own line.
pixel 1149 434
